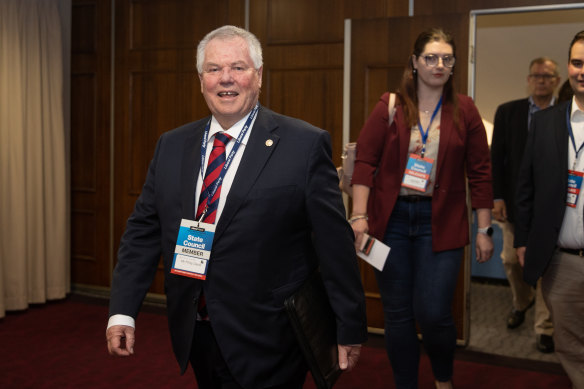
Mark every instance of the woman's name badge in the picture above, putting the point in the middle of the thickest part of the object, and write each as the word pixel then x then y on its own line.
pixel 193 249
pixel 417 173
pixel 574 185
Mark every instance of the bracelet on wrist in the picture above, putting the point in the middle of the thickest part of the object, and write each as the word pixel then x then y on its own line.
pixel 356 217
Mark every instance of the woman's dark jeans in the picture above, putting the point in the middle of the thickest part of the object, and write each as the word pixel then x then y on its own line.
pixel 417 285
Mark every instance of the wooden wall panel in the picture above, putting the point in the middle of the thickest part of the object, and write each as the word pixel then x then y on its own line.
pixel 84 135
pixel 157 87
pixel 301 22
pixel 303 56
pixel 431 7
pixel 90 143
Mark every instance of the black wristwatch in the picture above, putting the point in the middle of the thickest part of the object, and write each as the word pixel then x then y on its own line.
pixel 486 230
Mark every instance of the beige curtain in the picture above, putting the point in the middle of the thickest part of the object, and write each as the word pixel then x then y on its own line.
pixel 34 195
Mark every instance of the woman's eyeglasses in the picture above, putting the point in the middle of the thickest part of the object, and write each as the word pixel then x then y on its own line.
pixel 433 59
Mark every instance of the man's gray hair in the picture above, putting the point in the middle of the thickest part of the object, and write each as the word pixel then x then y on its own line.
pixel 230 32
pixel 543 60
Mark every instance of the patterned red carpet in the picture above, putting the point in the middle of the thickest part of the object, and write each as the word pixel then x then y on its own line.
pixel 62 345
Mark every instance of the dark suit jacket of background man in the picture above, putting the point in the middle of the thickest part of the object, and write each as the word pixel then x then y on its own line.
pixel 283 218
pixel 508 142
pixel 542 189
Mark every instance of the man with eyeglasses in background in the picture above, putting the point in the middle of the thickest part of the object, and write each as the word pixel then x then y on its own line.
pixel 512 120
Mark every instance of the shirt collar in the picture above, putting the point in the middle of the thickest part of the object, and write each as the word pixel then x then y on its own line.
pixel 534 106
pixel 233 131
pixel 577 114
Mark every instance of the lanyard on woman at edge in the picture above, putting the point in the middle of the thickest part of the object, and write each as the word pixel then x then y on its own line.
pixel 425 134
pixel 571 132
pixel 229 159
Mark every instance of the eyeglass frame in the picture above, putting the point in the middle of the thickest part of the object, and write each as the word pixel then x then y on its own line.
pixel 544 77
pixel 438 58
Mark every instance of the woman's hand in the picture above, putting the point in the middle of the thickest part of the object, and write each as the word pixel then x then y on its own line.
pixel 484 247
pixel 358 217
pixel 360 227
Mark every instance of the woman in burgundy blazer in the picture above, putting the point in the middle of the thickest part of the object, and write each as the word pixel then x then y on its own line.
pixel 425 222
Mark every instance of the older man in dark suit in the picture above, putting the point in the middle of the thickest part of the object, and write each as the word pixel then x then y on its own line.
pixel 509 137
pixel 549 228
pixel 263 188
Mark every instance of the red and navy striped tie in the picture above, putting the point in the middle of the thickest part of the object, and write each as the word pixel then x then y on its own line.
pixel 212 174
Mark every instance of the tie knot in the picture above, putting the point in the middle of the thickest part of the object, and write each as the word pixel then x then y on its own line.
pixel 222 137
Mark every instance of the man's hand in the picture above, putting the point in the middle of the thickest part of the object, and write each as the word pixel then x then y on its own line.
pixel 484 248
pixel 499 211
pixel 348 356
pixel 120 340
pixel 521 255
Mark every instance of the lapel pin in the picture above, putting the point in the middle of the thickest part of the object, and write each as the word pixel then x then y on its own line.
pixel 269 142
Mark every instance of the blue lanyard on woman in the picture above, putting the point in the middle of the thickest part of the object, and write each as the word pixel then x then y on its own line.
pixel 425 134
pixel 229 159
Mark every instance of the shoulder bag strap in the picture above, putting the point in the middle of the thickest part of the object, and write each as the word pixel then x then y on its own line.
pixel 391 108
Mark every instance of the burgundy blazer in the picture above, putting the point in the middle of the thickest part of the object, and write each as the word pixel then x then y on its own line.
pixel 382 154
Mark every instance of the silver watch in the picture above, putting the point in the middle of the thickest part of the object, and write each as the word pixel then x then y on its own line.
pixel 486 230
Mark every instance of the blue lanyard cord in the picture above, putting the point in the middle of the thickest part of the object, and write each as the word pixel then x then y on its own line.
pixel 425 134
pixel 229 158
pixel 571 132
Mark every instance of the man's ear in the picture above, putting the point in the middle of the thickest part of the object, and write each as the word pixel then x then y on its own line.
pixel 260 72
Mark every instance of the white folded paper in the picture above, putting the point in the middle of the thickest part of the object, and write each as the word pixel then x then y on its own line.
pixel 373 252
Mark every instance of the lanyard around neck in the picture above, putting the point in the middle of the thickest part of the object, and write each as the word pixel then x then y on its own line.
pixel 229 159
pixel 571 132
pixel 425 134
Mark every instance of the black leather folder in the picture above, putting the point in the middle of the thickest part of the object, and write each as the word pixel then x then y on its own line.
pixel 314 323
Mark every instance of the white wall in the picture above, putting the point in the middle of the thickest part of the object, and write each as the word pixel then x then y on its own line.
pixel 507 42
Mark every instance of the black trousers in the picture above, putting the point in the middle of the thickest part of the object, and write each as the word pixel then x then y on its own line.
pixel 210 368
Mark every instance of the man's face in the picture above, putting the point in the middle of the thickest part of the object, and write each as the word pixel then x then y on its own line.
pixel 542 80
pixel 229 82
pixel 576 70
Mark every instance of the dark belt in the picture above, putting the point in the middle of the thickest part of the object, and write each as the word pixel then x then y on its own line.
pixel 578 252
pixel 414 198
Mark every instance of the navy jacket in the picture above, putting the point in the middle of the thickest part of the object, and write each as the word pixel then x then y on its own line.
pixel 283 218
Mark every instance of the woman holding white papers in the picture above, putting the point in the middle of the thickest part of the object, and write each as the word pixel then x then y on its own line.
pixel 409 191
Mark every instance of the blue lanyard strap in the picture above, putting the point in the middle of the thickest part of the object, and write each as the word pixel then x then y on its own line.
pixel 229 158
pixel 425 134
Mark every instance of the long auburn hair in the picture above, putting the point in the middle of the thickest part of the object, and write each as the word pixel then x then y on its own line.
pixel 409 84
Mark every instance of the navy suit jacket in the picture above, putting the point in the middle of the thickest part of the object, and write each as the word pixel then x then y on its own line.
pixel 542 189
pixel 283 218
pixel 509 137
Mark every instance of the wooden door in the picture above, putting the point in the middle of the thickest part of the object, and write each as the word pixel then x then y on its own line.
pixel 380 49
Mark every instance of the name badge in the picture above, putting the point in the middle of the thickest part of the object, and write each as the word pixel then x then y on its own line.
pixel 193 249
pixel 574 185
pixel 417 173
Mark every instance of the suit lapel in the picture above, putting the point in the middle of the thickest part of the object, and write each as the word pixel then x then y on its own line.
pixel 521 126
pixel 405 133
pixel 190 171
pixel 256 154
pixel 562 137
pixel 446 131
